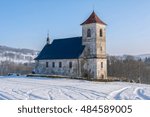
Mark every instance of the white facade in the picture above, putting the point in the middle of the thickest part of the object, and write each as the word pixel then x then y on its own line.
pixel 66 67
pixel 95 50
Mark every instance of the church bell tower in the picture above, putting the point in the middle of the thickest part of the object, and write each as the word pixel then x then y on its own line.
pixel 94 39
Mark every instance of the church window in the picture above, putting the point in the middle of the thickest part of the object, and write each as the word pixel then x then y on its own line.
pixel 60 64
pixel 101 64
pixel 88 33
pixel 101 48
pixel 101 32
pixel 53 64
pixel 70 64
pixel 46 64
pixel 102 76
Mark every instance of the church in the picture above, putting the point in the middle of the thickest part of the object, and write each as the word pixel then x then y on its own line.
pixel 79 57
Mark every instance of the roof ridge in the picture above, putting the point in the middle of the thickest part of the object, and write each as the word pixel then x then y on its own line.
pixel 68 38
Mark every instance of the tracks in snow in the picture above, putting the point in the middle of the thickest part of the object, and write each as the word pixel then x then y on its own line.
pixel 74 93
pixel 118 94
pixel 140 94
pixel 33 89
pixel 128 93
pixel 53 92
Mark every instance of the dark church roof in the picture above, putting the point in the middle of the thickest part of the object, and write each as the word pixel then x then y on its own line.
pixel 93 18
pixel 68 48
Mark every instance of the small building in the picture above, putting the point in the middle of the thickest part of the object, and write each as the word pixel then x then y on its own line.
pixel 77 56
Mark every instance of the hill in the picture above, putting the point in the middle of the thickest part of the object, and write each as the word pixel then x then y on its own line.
pixel 17 55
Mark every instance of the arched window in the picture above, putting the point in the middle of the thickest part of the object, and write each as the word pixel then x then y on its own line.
pixel 70 64
pixel 46 64
pixel 101 64
pixel 60 64
pixel 53 64
pixel 101 33
pixel 101 48
pixel 102 76
pixel 88 33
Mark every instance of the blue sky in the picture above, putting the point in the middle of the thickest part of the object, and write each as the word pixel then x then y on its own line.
pixel 25 23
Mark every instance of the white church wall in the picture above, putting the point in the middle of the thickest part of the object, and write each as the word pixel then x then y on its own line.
pixel 65 69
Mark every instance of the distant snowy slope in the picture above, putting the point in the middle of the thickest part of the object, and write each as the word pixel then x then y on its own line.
pixel 14 88
pixel 143 56
pixel 135 57
pixel 17 55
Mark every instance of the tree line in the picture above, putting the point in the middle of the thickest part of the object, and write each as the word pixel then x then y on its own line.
pixel 7 67
pixel 129 68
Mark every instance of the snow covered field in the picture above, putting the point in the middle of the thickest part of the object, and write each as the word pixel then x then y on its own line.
pixel 14 88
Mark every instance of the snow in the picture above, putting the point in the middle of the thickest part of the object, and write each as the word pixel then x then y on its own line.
pixel 143 56
pixel 39 88
pixel 17 57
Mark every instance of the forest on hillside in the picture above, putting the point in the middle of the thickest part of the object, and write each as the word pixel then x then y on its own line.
pixel 7 67
pixel 15 60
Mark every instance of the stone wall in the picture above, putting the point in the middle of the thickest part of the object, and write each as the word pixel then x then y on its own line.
pixel 101 68
pixel 94 68
pixel 63 70
pixel 88 68
pixel 100 41
pixel 94 63
pixel 89 42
